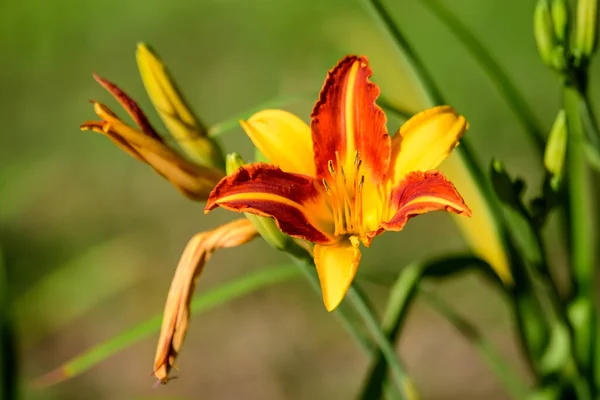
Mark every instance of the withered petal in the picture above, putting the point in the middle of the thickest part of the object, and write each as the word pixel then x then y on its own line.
pixel 177 308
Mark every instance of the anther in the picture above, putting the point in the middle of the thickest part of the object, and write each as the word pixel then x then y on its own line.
pixel 343 173
pixel 327 187
pixel 357 158
pixel 330 167
pixel 362 182
pixel 358 164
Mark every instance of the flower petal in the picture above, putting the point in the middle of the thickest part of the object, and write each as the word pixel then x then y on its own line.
pixel 346 119
pixel 284 139
pixel 422 192
pixel 425 140
pixel 129 105
pixel 336 266
pixel 296 202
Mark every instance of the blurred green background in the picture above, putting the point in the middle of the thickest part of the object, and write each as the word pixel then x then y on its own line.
pixel 91 237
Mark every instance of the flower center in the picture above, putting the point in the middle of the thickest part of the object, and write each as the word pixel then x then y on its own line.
pixel 344 189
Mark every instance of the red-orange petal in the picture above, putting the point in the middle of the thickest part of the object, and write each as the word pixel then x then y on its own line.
pixel 422 192
pixel 346 119
pixel 296 202
pixel 129 105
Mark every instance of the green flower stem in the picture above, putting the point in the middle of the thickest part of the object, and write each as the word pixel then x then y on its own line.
pixel 492 68
pixel 581 234
pixel 397 373
pixel 348 321
pixel 403 384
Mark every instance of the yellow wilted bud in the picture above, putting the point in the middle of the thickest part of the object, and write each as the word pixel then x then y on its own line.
pixel 144 144
pixel 177 308
pixel 184 126
pixel 586 29
pixel 554 156
pixel 266 227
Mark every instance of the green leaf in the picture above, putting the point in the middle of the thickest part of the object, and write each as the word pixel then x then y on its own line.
pixel 201 302
pixel 401 297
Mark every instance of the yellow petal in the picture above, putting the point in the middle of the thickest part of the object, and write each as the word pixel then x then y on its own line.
pixel 284 139
pixel 336 266
pixel 481 230
pixel 425 140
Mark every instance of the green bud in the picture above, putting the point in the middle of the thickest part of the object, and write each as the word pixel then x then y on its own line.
pixel 554 156
pixel 560 19
pixel 266 227
pixel 586 29
pixel 233 162
pixel 543 31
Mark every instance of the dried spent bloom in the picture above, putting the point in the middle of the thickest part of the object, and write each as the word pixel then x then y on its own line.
pixel 144 144
pixel 344 180
pixel 177 308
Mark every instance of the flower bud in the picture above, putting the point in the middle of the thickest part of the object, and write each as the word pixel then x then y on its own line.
pixel 266 227
pixel 183 125
pixel 586 29
pixel 560 19
pixel 554 156
pixel 544 31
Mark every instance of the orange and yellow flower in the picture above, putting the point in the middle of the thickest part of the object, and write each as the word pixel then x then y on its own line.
pixel 344 180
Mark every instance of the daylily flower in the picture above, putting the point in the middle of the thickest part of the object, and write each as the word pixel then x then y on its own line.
pixel 143 143
pixel 344 180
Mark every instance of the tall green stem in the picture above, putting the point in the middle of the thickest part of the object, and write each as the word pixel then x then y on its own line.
pixel 581 233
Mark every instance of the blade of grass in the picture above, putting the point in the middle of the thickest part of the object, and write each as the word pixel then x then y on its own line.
pixel 505 372
pixel 83 278
pixel 201 302
pixel 495 72
pixel 277 102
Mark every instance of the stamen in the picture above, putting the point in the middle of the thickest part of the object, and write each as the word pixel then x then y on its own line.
pixel 359 204
pixel 343 173
pixel 357 159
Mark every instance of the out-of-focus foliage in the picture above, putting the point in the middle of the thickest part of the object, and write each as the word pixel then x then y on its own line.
pixel 72 204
